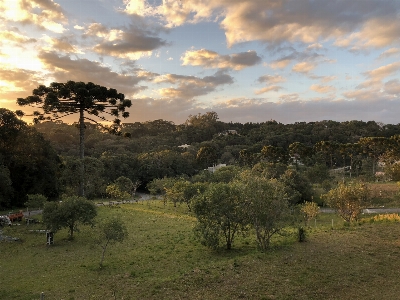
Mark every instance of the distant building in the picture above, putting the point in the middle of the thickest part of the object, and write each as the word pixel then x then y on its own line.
pixel 227 132
pixel 215 168
pixel 184 146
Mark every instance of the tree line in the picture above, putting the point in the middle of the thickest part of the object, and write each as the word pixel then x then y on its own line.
pixel 44 158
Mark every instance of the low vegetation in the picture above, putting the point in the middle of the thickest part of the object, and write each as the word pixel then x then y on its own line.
pixel 161 259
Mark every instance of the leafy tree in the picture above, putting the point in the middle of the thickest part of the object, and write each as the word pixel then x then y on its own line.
pixel 35 201
pixel 6 190
pixel 328 150
pixel 199 128
pixel 273 154
pixel 111 231
pixel 220 215
pixel 269 170
pixel 68 213
pixel 165 163
pixel 348 199
pixel 226 174
pixel 374 147
pixel 206 156
pixel 121 188
pixel 61 99
pixel 124 184
pixel 27 160
pixel 267 207
pixel 309 211
pixel 317 173
pixel 183 191
pixel 299 152
pixel 94 180
pixel 114 191
pixel 298 187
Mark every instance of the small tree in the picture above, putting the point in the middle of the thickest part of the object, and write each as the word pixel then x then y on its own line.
pixel 35 201
pixel 69 213
pixel 110 232
pixel 348 199
pixel 267 207
pixel 121 188
pixel 220 215
pixel 309 211
pixel 184 191
pixel 115 193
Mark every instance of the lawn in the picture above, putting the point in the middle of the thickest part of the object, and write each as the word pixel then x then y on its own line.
pixel 162 260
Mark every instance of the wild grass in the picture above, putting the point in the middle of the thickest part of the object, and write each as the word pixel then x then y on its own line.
pixel 162 260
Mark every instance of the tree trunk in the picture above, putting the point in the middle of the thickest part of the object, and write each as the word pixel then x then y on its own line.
pixel 71 231
pixel 104 252
pixel 81 152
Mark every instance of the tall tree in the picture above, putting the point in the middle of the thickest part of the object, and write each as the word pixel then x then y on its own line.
pixel 61 99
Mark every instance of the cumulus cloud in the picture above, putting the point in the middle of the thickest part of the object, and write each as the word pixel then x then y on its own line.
pixel 392 87
pixel 271 79
pixel 280 64
pixel 390 53
pixel 314 46
pixel 384 71
pixel 45 14
pixel 17 81
pixel 211 59
pixel 63 68
pixel 304 67
pixel 14 36
pixel 323 89
pixel 62 44
pixel 189 87
pixel 275 22
pixel 125 42
pixel 326 79
pixel 271 88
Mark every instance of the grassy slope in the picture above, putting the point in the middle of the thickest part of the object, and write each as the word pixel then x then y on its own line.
pixel 161 260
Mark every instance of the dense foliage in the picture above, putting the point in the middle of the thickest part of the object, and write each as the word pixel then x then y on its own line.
pixel 28 163
pixel 147 151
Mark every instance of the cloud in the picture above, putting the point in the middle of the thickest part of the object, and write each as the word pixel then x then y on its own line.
pixel 14 36
pixel 272 88
pixel 271 79
pixel 45 14
pixel 304 67
pixel 326 79
pixel 17 81
pixel 383 72
pixel 315 46
pixel 256 110
pixel 390 53
pixel 352 24
pixel 211 59
pixel 323 89
pixel 189 87
pixel 392 87
pixel 280 64
pixel 63 68
pixel 62 44
pixel 124 42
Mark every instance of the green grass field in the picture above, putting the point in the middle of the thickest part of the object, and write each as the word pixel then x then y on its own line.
pixel 162 260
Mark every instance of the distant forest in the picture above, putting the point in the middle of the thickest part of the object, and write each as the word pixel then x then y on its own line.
pixel 43 158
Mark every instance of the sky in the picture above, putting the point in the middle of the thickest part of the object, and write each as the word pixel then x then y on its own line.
pixel 248 60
